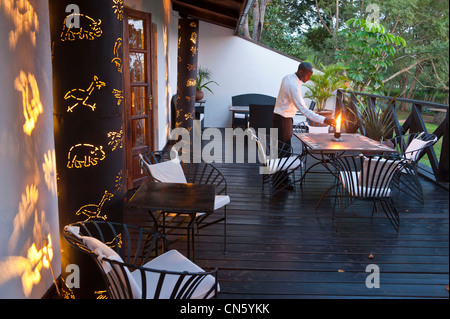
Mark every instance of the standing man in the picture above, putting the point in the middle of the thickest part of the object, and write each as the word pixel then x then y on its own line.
pixel 290 100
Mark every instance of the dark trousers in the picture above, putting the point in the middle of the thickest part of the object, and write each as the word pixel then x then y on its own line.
pixel 285 128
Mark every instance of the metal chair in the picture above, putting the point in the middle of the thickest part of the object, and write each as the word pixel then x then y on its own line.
pixel 178 172
pixel 300 120
pixel 241 119
pixel 135 262
pixel 280 165
pixel 260 116
pixel 367 178
pixel 318 157
pixel 412 147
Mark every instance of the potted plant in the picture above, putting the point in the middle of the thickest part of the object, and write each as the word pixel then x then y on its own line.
pixel 324 84
pixel 203 82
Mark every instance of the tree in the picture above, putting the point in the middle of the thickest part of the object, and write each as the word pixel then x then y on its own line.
pixel 258 14
pixel 422 68
pixel 313 27
pixel 289 16
pixel 367 47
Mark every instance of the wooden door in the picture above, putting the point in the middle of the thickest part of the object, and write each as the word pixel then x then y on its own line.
pixel 138 77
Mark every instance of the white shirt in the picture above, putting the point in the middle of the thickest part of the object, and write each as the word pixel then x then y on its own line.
pixel 290 100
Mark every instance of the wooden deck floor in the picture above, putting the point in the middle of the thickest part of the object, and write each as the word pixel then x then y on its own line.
pixel 281 248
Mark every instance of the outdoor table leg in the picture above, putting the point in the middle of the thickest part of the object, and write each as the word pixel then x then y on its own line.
pixel 161 227
pixel 325 164
pixel 155 221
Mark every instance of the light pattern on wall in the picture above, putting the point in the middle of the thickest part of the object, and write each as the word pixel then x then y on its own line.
pixel 39 252
pixel 29 246
pixel 24 18
pixel 85 155
pixel 49 168
pixel 27 268
pixel 26 211
pixel 32 105
pixel 89 29
pixel 77 95
pixel 118 9
pixel 37 259
pixel 92 211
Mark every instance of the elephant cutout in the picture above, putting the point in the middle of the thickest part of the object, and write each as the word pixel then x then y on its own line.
pixel 85 155
pixel 80 26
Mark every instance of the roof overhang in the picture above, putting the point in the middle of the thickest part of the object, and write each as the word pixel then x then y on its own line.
pixel 226 13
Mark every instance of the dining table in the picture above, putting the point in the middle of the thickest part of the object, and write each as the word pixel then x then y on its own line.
pixel 245 111
pixel 325 146
pixel 327 143
pixel 161 199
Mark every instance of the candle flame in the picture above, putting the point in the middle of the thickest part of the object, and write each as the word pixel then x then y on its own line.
pixel 338 124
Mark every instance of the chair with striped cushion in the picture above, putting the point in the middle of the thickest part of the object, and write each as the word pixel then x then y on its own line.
pixel 279 162
pixel 412 147
pixel 367 178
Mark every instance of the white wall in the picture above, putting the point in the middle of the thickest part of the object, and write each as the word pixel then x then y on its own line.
pixel 28 198
pixel 238 66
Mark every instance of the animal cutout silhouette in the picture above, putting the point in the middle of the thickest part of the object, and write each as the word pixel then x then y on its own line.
pixel 84 27
pixel 117 241
pixel 118 95
pixel 116 139
pixel 118 8
pixel 83 95
pixel 94 210
pixel 118 54
pixel 85 155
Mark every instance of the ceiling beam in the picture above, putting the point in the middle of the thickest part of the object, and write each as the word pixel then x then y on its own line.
pixel 224 12
pixel 227 7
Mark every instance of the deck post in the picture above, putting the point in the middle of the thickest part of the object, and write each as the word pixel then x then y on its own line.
pixel 187 73
pixel 87 126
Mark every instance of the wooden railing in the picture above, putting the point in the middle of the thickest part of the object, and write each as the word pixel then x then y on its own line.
pixel 439 170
